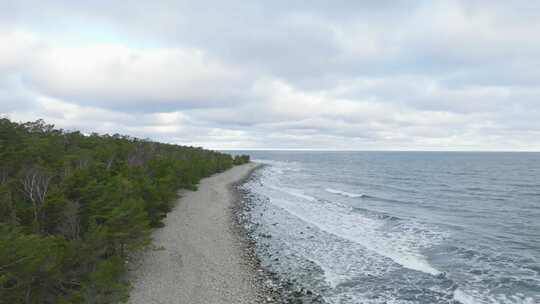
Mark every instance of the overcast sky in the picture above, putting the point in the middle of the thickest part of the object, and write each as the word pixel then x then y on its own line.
pixel 281 74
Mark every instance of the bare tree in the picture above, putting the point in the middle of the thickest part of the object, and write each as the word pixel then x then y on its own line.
pixel 110 162
pixel 35 185
pixel 67 169
pixel 83 162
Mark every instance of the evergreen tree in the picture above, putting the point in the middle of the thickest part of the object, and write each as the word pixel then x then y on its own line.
pixel 72 208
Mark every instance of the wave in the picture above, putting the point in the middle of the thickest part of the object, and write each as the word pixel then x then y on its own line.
pixel 401 246
pixel 343 193
pixel 298 194
pixel 382 248
pixel 293 192
pixel 387 200
pixel 463 298
pixel 360 230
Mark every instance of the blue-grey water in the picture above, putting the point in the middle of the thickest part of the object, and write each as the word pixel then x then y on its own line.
pixel 401 227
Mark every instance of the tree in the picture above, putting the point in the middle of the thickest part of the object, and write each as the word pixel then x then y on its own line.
pixel 72 207
pixel 8 211
pixel 70 225
pixel 127 226
pixel 35 185
pixel 31 267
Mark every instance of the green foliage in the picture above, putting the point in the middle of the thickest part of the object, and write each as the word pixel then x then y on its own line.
pixel 32 266
pixel 240 159
pixel 72 207
pixel 105 284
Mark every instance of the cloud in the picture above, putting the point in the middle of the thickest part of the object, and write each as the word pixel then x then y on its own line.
pixel 119 77
pixel 342 75
pixel 150 80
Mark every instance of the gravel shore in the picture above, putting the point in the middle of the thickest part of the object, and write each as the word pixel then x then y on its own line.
pixel 201 256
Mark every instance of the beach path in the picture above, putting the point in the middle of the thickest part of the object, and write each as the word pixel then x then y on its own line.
pixel 200 260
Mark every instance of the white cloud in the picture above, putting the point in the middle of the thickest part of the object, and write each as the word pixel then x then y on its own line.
pixel 384 75
pixel 119 77
pixel 16 49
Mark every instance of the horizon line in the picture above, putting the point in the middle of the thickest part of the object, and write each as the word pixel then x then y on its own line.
pixel 354 150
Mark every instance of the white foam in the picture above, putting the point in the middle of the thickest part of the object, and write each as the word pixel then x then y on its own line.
pixel 343 193
pixel 401 241
pixel 294 192
pixel 465 298
pixel 304 196
pixel 462 297
pixel 358 229
pixel 330 276
pixel 402 247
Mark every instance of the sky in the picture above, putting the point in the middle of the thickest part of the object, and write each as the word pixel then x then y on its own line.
pixel 325 75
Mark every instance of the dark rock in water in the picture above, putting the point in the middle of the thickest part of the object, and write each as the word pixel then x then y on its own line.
pixel 441 275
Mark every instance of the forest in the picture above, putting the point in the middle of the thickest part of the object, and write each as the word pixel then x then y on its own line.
pixel 73 207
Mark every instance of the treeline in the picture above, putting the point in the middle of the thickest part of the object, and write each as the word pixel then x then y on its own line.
pixel 72 207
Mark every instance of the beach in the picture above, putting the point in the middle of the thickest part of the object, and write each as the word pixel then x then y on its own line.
pixel 200 255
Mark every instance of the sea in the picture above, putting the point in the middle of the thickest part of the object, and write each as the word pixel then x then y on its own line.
pixel 399 227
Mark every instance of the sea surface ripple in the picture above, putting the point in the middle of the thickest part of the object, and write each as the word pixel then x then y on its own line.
pixel 401 227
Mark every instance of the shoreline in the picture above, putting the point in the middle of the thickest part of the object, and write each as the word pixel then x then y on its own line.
pixel 279 288
pixel 202 254
pixel 267 289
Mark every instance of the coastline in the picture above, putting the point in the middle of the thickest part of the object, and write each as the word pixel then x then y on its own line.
pixel 278 288
pixel 202 254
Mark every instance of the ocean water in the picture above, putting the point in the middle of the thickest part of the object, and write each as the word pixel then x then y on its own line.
pixel 400 227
